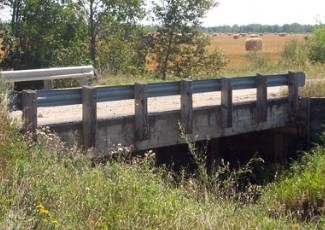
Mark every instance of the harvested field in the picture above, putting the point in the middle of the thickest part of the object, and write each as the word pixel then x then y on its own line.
pixel 234 49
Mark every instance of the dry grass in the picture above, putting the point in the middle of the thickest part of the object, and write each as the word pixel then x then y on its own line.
pixel 234 49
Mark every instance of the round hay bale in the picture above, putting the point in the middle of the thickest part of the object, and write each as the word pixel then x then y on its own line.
pixel 236 36
pixel 253 44
pixel 253 36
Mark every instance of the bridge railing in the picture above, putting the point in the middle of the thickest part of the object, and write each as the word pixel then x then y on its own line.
pixel 140 92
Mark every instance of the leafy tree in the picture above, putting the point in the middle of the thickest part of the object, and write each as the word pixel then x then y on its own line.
pixel 108 14
pixel 50 33
pixel 121 50
pixel 178 40
pixel 316 45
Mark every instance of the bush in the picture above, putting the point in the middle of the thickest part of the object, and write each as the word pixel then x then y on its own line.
pixel 301 191
pixel 259 62
pixel 316 45
pixel 295 54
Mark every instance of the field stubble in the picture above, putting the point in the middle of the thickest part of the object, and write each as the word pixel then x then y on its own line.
pixel 234 49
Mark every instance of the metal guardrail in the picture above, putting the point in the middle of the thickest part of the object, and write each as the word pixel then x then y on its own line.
pixel 59 97
pixel 47 74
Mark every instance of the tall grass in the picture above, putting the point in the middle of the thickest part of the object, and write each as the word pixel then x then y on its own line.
pixel 51 189
pixel 47 186
pixel 301 190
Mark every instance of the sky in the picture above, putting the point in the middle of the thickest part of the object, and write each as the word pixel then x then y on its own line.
pixel 267 12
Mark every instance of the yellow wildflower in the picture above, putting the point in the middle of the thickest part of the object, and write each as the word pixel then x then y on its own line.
pixel 55 222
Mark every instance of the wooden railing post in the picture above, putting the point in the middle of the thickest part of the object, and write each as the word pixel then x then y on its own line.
pixel 293 93
pixel 89 116
pixel 226 103
pixel 141 121
pixel 261 98
pixel 186 106
pixel 29 104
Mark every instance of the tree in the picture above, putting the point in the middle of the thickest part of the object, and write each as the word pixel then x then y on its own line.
pixel 50 32
pixel 178 37
pixel 105 14
pixel 316 45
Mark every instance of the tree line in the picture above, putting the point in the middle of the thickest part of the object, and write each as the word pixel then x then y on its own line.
pixel 258 28
pixel 108 34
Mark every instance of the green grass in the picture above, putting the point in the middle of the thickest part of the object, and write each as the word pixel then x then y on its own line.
pixel 301 190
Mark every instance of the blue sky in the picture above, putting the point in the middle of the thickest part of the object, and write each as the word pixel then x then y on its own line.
pixel 243 12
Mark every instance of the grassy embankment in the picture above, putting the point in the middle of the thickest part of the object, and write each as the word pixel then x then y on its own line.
pixel 47 186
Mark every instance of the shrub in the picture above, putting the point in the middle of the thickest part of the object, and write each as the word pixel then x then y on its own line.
pixel 295 54
pixel 301 191
pixel 316 45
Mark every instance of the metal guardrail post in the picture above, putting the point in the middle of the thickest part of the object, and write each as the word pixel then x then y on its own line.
pixel 186 105
pixel 141 120
pixel 261 98
pixel 29 105
pixel 89 116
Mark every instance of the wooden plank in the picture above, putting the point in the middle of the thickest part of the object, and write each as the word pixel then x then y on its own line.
pixel 261 98
pixel 29 104
pixel 226 103
pixel 293 92
pixel 186 105
pixel 89 116
pixel 141 112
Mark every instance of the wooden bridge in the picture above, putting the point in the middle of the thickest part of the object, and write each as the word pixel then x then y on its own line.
pixel 146 130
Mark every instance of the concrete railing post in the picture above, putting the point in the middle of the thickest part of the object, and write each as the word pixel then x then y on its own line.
pixel 261 98
pixel 29 106
pixel 226 103
pixel 89 116
pixel 293 92
pixel 141 121
pixel 186 106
